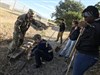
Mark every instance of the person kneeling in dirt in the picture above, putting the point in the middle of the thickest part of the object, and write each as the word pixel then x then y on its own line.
pixel 42 51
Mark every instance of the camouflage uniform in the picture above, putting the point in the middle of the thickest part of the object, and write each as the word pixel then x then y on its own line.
pixel 21 26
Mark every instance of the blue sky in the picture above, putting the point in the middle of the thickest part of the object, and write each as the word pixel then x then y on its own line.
pixel 46 7
pixel 43 7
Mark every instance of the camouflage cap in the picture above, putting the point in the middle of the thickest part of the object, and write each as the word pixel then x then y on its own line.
pixel 30 11
pixel 37 36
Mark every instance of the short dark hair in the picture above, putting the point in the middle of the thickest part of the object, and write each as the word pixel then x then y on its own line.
pixel 93 9
pixel 37 36
pixel 30 11
pixel 75 21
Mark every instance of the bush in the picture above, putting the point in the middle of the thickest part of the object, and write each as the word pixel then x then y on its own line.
pixel 70 16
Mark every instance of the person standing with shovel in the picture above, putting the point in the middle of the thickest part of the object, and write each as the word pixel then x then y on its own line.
pixel 89 42
pixel 61 31
pixel 71 40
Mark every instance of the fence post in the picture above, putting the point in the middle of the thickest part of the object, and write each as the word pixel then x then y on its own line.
pixel 14 5
pixel 23 9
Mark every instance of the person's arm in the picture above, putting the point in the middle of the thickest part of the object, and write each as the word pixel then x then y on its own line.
pixel 42 45
pixel 18 23
pixel 31 52
pixel 71 31
pixel 36 25
pixel 34 48
pixel 49 47
pixel 34 22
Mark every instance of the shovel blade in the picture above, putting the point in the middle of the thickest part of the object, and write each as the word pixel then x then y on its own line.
pixel 57 49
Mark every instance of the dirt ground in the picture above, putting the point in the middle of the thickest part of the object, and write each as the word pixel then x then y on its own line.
pixel 23 67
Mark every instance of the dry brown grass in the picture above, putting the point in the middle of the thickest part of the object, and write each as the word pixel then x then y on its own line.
pixel 7 20
pixel 6 23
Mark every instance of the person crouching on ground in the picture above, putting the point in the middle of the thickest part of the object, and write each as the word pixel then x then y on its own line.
pixel 42 51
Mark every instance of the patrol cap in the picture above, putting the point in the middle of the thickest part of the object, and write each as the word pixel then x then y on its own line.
pixel 37 36
pixel 30 11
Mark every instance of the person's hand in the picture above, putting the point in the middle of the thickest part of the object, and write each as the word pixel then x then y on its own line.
pixel 40 28
pixel 82 24
pixel 29 55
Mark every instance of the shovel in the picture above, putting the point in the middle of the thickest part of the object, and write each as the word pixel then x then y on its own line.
pixel 59 47
pixel 73 53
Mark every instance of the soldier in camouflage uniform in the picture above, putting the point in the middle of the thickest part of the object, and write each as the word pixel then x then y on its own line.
pixel 21 26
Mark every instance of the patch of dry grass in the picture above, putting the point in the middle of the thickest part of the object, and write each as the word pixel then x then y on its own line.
pixel 7 20
pixel 6 23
